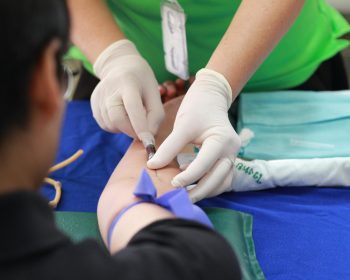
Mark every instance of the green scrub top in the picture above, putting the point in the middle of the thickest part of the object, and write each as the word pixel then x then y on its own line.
pixel 313 38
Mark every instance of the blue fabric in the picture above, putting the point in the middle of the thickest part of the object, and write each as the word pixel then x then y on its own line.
pixel 296 124
pixel 83 180
pixel 301 233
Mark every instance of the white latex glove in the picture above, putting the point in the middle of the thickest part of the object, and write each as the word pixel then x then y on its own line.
pixel 202 119
pixel 127 98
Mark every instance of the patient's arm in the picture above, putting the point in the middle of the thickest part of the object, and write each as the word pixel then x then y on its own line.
pixel 118 191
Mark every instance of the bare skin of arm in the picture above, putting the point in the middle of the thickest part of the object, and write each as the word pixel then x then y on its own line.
pixel 93 27
pixel 255 30
pixel 118 191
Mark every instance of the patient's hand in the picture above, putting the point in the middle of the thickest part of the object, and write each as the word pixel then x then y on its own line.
pixel 170 89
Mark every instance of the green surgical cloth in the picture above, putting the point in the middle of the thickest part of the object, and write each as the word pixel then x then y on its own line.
pixel 296 124
pixel 78 225
pixel 313 38
pixel 235 226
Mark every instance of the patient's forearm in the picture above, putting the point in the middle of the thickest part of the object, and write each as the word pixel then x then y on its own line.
pixel 118 192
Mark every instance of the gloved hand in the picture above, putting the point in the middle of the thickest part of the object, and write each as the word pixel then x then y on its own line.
pixel 127 98
pixel 202 119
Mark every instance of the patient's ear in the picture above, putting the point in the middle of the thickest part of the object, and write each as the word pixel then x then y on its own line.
pixel 45 89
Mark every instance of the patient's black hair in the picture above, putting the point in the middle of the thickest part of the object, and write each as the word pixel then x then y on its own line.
pixel 26 29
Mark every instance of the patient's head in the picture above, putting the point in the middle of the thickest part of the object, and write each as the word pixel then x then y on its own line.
pixel 34 35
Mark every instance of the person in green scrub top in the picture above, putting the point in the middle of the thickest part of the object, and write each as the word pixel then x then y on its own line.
pixel 232 46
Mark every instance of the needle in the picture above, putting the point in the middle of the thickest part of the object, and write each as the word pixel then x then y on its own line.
pixel 147 140
pixel 151 150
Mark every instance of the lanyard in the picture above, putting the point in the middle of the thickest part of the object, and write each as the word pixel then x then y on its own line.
pixel 174 38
